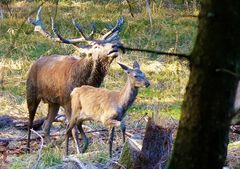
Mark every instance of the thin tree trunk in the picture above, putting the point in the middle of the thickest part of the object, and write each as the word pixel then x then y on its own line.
pixel 186 5
pixel 202 137
pixel 194 5
pixel 1 15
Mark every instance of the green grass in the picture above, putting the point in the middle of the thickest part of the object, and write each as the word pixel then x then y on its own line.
pixel 51 156
pixel 21 46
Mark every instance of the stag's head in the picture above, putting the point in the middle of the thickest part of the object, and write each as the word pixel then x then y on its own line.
pixel 105 47
pixel 136 76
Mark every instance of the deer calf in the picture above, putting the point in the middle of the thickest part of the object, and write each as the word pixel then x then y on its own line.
pixel 108 107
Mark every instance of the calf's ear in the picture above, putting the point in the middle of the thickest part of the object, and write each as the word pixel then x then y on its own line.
pixel 124 67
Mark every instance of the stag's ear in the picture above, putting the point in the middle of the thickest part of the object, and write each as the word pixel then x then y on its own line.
pixel 124 67
pixel 136 65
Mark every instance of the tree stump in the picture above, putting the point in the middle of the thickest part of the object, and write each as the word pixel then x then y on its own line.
pixel 155 152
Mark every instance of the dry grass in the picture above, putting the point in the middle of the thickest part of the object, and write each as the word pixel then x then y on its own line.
pixel 168 75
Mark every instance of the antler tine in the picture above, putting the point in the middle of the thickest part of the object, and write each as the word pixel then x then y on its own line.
pixel 39 26
pixel 94 29
pixel 39 13
pixel 114 31
pixel 63 40
pixel 80 29
pixel 38 20
pixel 55 31
pixel 41 29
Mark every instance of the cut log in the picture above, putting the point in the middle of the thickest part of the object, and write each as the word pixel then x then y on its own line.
pixel 157 146
pixel 235 128
pixel 129 156
pixel 155 152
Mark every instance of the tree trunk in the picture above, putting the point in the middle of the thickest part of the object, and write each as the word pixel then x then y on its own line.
pixel 202 137
pixel 155 151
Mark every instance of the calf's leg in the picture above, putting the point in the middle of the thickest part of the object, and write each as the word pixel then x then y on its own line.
pixel 68 112
pixel 84 137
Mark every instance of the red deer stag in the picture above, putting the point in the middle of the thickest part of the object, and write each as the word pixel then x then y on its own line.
pixel 108 107
pixel 52 78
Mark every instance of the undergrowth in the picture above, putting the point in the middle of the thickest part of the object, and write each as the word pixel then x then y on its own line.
pixel 20 46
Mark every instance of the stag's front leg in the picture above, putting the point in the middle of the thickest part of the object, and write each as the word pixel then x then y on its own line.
pixel 68 133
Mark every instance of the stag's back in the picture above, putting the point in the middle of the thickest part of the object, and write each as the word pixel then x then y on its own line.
pixel 52 78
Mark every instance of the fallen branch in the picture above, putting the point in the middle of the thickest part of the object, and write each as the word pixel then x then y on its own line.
pixel 235 129
pixel 39 151
pixel 5 141
pixel 24 125
pixel 229 72
pixel 179 55
pixel 139 120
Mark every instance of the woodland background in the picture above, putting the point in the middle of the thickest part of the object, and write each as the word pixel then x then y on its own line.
pixel 162 25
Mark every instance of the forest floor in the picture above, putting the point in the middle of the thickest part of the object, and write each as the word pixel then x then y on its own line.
pixel 171 31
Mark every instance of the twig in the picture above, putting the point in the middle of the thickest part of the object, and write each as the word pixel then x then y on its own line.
pixel 56 9
pixel 130 8
pixel 228 72
pixel 139 146
pixel 149 12
pixel 9 10
pixel 189 16
pixel 11 46
pixel 138 121
pixel 179 55
pixel 39 151
pixel 117 163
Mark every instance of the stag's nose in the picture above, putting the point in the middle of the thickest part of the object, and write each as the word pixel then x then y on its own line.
pixel 119 46
pixel 147 83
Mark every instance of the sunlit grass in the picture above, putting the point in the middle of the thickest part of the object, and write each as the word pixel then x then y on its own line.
pixel 21 46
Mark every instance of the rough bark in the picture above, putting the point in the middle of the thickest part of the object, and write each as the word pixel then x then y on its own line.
pixel 202 137
pixel 155 152
pixel 157 146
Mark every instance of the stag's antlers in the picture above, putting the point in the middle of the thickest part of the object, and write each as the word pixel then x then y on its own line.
pixel 110 36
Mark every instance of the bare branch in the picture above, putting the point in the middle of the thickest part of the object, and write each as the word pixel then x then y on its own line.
pixel 228 72
pixel 39 151
pixel 130 8
pixel 179 55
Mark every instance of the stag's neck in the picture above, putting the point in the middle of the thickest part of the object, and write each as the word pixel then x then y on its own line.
pixel 80 72
pixel 127 95
pixel 99 71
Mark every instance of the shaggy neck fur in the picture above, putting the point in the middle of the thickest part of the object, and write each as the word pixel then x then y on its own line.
pixel 90 72
pixel 99 71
